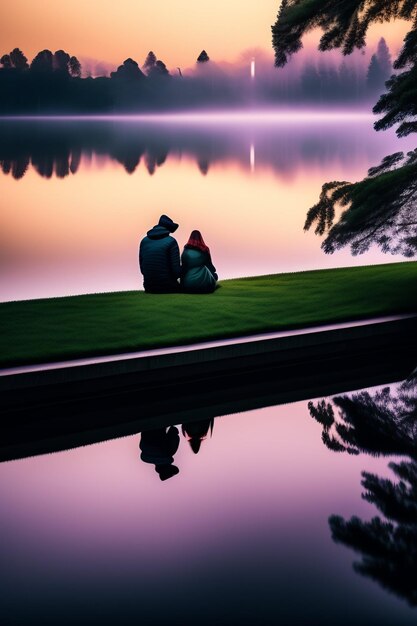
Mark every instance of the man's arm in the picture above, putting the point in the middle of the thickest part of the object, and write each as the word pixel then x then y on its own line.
pixel 140 257
pixel 174 258
pixel 210 266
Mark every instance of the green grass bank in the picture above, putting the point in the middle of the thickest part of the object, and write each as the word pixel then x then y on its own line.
pixel 36 331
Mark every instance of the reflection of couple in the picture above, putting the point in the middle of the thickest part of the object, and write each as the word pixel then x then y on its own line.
pixel 161 266
pixel 160 445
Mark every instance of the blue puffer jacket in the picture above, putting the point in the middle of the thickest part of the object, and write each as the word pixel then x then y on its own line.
pixel 159 261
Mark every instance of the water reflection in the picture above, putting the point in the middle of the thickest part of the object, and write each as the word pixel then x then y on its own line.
pixel 57 147
pixel 196 432
pixel 159 447
pixel 78 535
pixel 381 423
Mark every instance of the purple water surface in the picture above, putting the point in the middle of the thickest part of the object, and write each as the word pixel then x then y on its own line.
pixel 239 536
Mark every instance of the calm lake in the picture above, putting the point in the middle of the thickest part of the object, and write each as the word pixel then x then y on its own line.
pixel 239 536
pixel 78 195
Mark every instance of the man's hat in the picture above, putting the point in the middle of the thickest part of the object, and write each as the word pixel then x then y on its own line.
pixel 167 223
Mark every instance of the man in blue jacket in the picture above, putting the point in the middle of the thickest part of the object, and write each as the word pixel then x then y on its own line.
pixel 159 258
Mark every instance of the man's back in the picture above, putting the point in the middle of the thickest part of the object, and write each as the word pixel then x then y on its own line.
pixel 159 261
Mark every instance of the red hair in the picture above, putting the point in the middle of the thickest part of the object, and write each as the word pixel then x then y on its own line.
pixel 196 241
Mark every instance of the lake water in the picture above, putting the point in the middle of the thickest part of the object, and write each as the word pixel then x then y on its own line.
pixel 78 195
pixel 239 536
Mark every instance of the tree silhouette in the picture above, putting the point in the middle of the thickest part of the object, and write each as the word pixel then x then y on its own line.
pixel 382 423
pixel 74 67
pixel 149 62
pixel 18 59
pixel 384 58
pixel 375 78
pixel 345 26
pixel 42 62
pixel 129 71
pixel 158 69
pixel 379 424
pixel 203 57
pixel 399 103
pixel 6 61
pixel 380 68
pixel 388 548
pixel 60 62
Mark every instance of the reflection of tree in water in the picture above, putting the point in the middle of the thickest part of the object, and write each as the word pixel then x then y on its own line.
pixel 55 148
pixel 379 424
pixel 16 167
pixel 155 158
pixel 389 549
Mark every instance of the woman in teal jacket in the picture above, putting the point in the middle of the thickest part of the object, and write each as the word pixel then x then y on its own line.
pixel 198 274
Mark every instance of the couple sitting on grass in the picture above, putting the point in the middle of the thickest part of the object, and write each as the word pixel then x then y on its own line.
pixel 162 268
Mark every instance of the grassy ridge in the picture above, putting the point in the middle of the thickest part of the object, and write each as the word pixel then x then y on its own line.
pixel 61 328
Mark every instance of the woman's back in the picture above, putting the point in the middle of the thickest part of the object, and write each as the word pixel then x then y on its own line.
pixel 197 270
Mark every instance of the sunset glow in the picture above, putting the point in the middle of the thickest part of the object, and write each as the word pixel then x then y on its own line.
pixel 176 31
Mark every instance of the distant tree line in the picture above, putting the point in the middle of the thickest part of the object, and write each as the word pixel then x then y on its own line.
pixel 53 82
pixel 330 82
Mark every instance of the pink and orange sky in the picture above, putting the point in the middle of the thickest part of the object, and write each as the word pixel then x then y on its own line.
pixel 176 30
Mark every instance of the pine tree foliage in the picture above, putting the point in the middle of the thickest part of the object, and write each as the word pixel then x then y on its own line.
pixel 345 23
pixel 400 102
pixel 380 209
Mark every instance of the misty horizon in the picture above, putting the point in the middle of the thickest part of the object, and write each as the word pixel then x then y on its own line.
pixel 56 83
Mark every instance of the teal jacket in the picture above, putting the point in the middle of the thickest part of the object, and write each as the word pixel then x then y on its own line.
pixel 198 274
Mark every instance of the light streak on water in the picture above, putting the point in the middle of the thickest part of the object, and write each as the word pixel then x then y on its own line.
pixel 252 157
